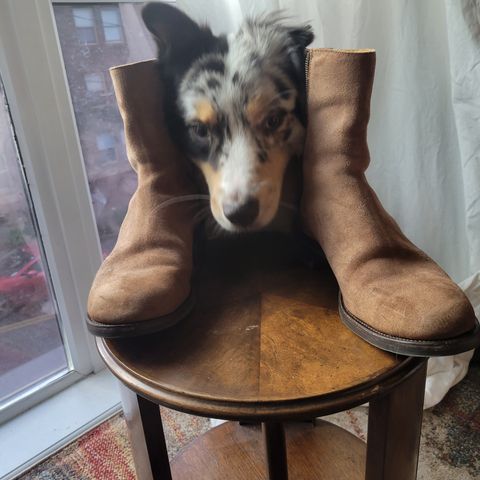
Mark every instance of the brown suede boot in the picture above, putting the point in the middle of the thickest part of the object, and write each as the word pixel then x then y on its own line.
pixel 392 294
pixel 144 286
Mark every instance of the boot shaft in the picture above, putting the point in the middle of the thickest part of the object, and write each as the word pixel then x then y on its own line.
pixel 339 87
pixel 159 165
pixel 139 93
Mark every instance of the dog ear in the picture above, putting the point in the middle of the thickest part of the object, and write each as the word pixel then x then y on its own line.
pixel 299 38
pixel 179 39
pixel 302 36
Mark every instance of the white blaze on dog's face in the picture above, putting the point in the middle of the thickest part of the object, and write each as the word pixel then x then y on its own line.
pixel 240 104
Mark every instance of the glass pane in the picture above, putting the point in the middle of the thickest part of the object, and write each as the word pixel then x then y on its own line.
pixel 86 35
pixel 112 34
pixel 111 24
pixel 31 346
pixel 83 17
pixel 84 24
pixel 94 82
pixel 111 179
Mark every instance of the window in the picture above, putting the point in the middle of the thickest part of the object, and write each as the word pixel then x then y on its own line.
pixel 31 344
pixel 66 213
pixel 106 147
pixel 95 82
pixel 85 25
pixel 112 25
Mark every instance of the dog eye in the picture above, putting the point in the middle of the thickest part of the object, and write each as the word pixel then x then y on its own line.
pixel 200 130
pixel 274 120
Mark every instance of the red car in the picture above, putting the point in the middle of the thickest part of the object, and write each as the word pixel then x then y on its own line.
pixel 27 286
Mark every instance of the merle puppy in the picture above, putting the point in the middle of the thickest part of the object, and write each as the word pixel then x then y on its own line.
pixel 235 107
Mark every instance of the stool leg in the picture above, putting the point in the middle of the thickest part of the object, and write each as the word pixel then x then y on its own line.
pixel 394 428
pixel 146 437
pixel 276 450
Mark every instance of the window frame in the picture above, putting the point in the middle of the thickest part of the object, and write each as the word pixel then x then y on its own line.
pixel 35 82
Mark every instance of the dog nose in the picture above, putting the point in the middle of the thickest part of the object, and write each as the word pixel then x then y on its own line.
pixel 244 214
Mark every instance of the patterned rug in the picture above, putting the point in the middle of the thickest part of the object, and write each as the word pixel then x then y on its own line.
pixel 104 452
pixel 450 446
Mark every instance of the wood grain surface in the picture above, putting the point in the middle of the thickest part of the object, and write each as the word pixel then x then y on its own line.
pixel 234 452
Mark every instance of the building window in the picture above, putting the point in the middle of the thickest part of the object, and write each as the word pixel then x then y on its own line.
pixel 112 24
pixel 106 147
pixel 95 82
pixel 85 25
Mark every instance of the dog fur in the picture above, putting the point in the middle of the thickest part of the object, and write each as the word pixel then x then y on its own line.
pixel 235 106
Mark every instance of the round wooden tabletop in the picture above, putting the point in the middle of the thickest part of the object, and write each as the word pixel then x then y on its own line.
pixel 264 341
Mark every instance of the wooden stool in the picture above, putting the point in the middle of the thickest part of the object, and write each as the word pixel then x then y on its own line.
pixel 265 344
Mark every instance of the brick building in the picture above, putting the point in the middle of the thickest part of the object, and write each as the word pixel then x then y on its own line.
pixel 94 38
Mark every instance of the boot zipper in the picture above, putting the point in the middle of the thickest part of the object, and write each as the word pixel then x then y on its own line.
pixel 307 70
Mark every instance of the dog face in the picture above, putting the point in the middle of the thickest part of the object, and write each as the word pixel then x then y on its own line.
pixel 236 107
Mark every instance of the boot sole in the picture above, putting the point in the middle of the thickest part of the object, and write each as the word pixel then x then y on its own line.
pixel 407 346
pixel 144 327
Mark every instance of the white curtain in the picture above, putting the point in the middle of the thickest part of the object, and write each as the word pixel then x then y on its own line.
pixel 424 132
